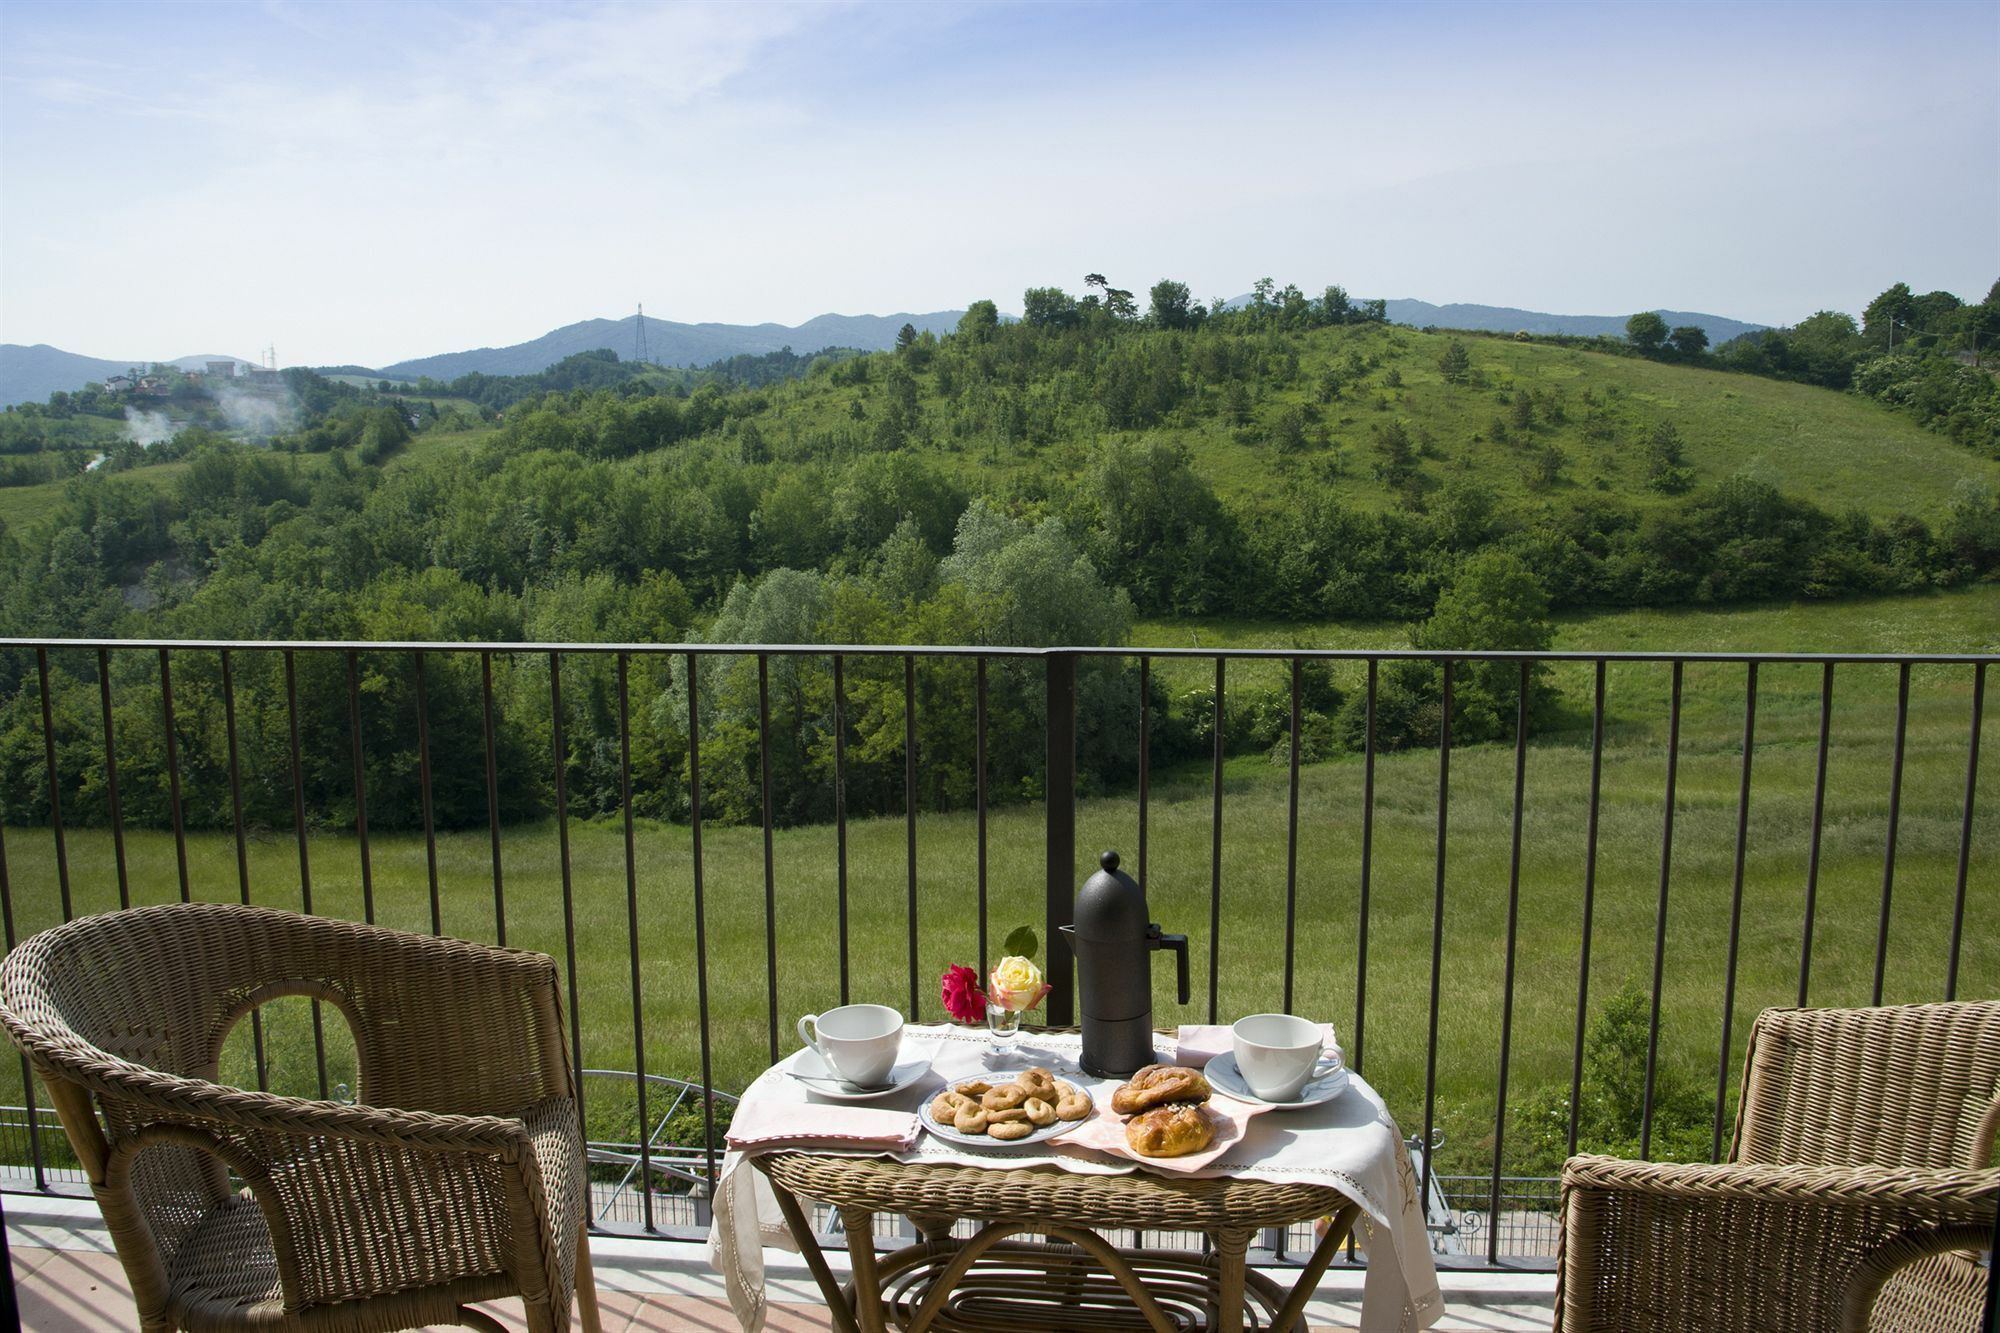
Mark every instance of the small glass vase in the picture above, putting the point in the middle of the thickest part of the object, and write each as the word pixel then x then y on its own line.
pixel 1003 1027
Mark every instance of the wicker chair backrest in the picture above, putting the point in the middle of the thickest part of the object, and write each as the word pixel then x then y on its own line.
pixel 1909 1085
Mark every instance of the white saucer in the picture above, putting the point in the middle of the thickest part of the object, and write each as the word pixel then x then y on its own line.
pixel 807 1066
pixel 1226 1078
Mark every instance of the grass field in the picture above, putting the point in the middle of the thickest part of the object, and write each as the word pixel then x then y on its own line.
pixel 1250 946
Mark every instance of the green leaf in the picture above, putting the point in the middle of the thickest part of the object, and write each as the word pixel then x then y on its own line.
pixel 1022 943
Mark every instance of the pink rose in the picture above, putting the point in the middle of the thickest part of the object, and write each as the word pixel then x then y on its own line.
pixel 963 999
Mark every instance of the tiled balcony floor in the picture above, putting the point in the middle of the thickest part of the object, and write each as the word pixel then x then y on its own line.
pixel 68 1281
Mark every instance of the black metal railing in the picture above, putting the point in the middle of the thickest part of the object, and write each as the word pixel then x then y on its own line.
pixel 98 664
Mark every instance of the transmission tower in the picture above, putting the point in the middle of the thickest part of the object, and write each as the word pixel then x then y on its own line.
pixel 639 339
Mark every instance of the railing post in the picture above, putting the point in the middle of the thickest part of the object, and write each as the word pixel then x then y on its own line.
pixel 1060 799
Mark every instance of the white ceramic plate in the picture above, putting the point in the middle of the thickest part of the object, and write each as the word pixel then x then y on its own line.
pixel 987 1143
pixel 808 1067
pixel 1226 1078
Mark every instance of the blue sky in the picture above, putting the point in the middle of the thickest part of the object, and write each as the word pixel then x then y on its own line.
pixel 365 182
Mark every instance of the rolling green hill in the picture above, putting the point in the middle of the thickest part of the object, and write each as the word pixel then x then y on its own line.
pixel 1835 449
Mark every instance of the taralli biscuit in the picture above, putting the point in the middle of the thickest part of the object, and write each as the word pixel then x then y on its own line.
pixel 1004 1098
pixel 1157 1085
pixel 946 1106
pixel 976 1088
pixel 1010 1129
pixel 1039 1111
pixel 970 1119
pixel 1039 1083
pixel 1072 1105
pixel 1010 1116
pixel 1170 1131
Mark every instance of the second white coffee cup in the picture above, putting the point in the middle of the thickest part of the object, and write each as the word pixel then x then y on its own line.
pixel 859 1042
pixel 1277 1054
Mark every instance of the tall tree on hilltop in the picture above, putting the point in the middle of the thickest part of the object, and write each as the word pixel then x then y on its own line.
pixel 1646 331
pixel 1689 340
pixel 1171 302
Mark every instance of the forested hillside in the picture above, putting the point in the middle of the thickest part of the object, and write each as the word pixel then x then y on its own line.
pixel 1040 482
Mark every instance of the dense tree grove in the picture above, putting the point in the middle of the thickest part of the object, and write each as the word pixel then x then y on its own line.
pixel 1018 483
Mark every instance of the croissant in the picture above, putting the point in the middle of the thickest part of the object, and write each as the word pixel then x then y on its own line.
pixel 1156 1085
pixel 1170 1131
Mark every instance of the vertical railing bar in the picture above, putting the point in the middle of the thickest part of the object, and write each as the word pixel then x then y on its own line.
pixel 559 750
pixel 360 785
pixel 1292 844
pixel 1367 867
pixel 1059 834
pixel 1437 931
pixel 1145 756
pixel 770 864
pixel 55 781
pixel 493 795
pixel 979 797
pixel 305 857
pixel 910 816
pixel 172 739
pixel 111 777
pixel 1660 921
pixel 1895 821
pixel 1735 909
pixel 632 934
pixel 27 1074
pixel 242 843
pixel 1215 851
pixel 1589 907
pixel 1818 824
pixel 424 790
pixel 840 811
pixel 1965 829
pixel 701 923
pixel 1513 929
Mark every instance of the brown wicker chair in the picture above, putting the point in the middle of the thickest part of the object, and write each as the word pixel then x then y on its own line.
pixel 461 1178
pixel 1859 1189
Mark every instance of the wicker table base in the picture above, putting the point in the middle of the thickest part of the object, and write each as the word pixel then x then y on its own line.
pixel 1015 1286
pixel 987 1282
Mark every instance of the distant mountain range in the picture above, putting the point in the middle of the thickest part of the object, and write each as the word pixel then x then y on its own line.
pixel 31 374
pixel 1505 319
pixel 672 344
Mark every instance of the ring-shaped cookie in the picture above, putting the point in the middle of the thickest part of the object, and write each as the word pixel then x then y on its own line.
pixel 1004 1098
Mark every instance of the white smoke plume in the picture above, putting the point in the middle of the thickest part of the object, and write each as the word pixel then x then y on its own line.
pixel 147 429
pixel 256 415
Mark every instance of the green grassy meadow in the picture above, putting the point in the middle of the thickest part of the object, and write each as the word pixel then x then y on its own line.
pixel 1250 947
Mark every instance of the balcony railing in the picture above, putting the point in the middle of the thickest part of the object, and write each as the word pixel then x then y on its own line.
pixel 1459 910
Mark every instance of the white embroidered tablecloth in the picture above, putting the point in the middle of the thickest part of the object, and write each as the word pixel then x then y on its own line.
pixel 1350 1144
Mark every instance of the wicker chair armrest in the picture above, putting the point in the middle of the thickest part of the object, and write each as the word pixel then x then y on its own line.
pixel 1658 1246
pixel 1964 1194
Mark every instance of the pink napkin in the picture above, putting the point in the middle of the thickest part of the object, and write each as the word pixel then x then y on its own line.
pixel 1105 1133
pixel 1201 1042
pixel 774 1124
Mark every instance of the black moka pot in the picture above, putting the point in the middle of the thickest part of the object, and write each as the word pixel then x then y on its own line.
pixel 1113 943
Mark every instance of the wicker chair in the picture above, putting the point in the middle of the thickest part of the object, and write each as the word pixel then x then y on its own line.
pixel 461 1179
pixel 1859 1189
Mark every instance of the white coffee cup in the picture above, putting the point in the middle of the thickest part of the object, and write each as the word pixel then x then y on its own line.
pixel 859 1042
pixel 1278 1054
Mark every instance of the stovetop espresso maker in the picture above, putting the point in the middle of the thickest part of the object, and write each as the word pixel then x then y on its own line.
pixel 1114 943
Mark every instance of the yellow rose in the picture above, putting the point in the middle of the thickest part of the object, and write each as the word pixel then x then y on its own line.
pixel 1016 984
